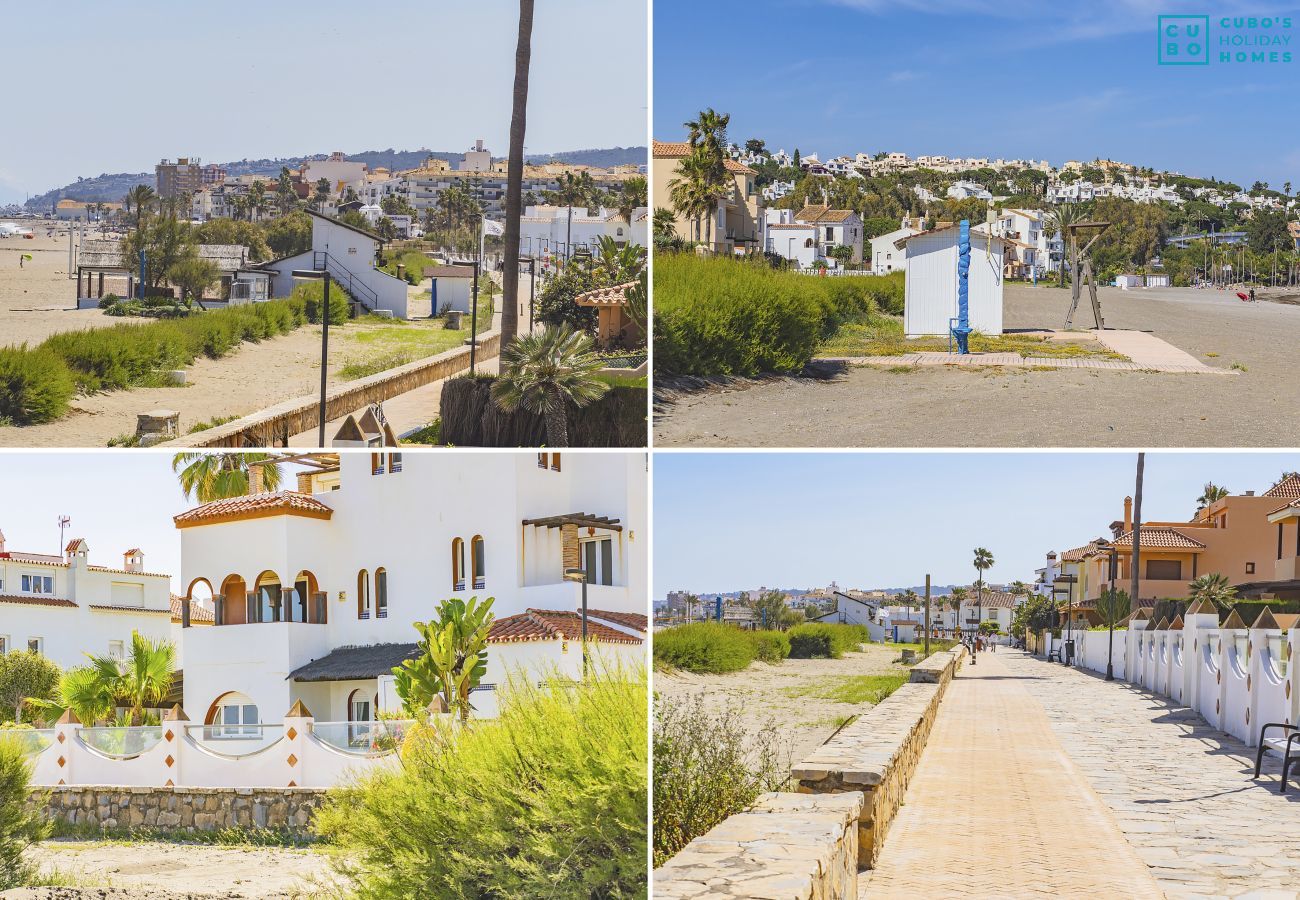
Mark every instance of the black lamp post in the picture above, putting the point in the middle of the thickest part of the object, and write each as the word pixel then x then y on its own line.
pixel 1114 571
pixel 324 340
pixel 580 575
pixel 1069 582
pixel 473 316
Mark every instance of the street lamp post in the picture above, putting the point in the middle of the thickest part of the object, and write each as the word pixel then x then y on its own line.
pixel 532 288
pixel 580 575
pixel 473 316
pixel 1069 582
pixel 1110 646
pixel 324 275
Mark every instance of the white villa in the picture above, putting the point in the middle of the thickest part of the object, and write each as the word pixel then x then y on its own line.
pixel 65 607
pixel 349 255
pixel 886 255
pixel 807 236
pixel 316 590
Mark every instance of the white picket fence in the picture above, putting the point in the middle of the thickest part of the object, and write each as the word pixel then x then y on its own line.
pixel 1238 679
pixel 300 752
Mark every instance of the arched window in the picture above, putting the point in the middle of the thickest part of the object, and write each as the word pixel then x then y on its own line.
pixel 232 716
pixel 457 564
pixel 307 604
pixel 363 594
pixel 476 559
pixel 381 593
pixel 267 602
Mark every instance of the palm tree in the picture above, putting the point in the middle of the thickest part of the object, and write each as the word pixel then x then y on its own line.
pixel 909 598
pixel 631 198
pixel 80 690
pixel 1211 493
pixel 141 197
pixel 515 175
pixel 142 679
pixel 1213 587
pixel 545 370
pixel 983 562
pixel 664 223
pixel 1064 215
pixel 571 190
pixel 709 129
pixel 690 193
pixel 1135 560
pixel 217 476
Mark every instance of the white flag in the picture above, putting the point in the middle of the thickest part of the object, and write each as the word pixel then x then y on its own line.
pixel 491 226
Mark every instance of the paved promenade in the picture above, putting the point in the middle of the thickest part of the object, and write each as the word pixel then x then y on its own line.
pixel 999 809
pixel 1180 790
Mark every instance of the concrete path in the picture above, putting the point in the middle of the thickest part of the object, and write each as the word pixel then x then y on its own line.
pixel 1145 352
pixel 1180 790
pixel 997 808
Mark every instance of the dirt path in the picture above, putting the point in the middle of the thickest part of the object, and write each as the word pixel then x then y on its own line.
pixel 946 407
pixel 174 871
pixel 784 694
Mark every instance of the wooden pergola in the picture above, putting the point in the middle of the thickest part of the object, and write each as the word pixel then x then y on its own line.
pixel 581 519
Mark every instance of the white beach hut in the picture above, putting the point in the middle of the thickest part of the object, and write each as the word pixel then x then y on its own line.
pixel 930 295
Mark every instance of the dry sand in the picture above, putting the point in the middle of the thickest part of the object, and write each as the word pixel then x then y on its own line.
pixel 761 694
pixel 947 407
pixel 167 871
pixel 36 302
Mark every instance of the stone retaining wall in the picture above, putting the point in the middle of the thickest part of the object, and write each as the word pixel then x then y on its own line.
pixel 184 809
pixel 811 845
pixel 273 426
pixel 788 846
pixel 878 752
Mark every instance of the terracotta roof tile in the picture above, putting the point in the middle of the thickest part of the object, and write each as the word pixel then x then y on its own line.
pixel 639 621
pixel 553 625
pixel 1287 489
pixel 35 601
pixel 614 295
pixel 198 615
pixel 1159 538
pixel 113 607
pixel 1077 554
pixel 281 503
pixel 681 149
pixel 819 213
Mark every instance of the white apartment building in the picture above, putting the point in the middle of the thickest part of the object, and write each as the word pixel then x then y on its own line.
pixel 886 255
pixel 65 607
pixel 316 590
pixel 1026 254
pixel 966 190
pixel 545 231
pixel 776 190
pixel 338 170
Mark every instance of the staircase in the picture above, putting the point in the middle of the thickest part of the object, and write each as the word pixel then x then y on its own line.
pixel 364 294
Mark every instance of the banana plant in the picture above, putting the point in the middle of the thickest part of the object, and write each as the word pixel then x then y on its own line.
pixel 452 658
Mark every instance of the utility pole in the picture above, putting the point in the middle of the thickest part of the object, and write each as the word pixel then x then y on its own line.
pixel 926 643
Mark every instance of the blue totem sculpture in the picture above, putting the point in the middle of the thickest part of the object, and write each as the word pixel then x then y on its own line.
pixel 963 329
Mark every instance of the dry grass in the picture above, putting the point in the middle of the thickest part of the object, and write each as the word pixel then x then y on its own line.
pixel 884 337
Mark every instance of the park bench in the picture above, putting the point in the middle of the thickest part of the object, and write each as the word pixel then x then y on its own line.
pixel 1288 744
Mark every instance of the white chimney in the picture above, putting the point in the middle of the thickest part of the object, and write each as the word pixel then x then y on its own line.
pixel 2 542
pixel 133 560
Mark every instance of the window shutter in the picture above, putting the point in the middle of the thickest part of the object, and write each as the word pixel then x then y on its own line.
pixel 319 599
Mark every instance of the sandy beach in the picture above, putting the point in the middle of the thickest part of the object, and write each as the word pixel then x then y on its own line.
pixel 36 301
pixel 944 406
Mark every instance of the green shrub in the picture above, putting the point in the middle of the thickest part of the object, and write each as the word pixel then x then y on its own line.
pixel 707 767
pixel 770 646
pixel 708 647
pixel 722 316
pixel 549 800
pixel 20 823
pixel 311 293
pixel 35 385
pixel 824 640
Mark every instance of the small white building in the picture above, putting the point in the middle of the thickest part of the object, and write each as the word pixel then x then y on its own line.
pixel 349 255
pixel 930 295
pixel 64 607
pixel 450 288
pixel 886 255
pixel 967 190
pixel 316 590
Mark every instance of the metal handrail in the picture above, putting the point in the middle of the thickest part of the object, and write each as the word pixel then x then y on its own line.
pixel 322 261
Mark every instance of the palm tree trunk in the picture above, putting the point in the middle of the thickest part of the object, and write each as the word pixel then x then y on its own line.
pixel 515 177
pixel 1134 558
pixel 557 426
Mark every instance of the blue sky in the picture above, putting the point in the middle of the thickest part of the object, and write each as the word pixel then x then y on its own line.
pixel 732 521
pixel 97 87
pixel 984 78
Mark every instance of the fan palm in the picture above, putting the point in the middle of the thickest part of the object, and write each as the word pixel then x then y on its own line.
pixel 1213 587
pixel 141 197
pixel 1211 493
pixel 621 262
pixel 631 198
pixel 217 476
pixel 81 690
pixel 1059 218
pixel 142 679
pixel 545 370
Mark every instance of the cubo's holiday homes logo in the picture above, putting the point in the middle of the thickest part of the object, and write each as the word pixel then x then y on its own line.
pixel 1228 40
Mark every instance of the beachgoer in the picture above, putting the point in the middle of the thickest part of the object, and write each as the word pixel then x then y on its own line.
pixel 1252 295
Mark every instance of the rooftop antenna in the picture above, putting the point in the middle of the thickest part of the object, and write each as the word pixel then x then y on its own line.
pixel 64 522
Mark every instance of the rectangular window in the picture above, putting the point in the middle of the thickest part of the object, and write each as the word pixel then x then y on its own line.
pixel 541 460
pixel 598 561
pixel 38 584
pixel 394 462
pixel 1250 568
pixel 381 594
pixel 36 644
pixel 116 649
pixel 376 464
pixel 1279 540
pixel 555 462
pixel 1164 570
pixel 4 643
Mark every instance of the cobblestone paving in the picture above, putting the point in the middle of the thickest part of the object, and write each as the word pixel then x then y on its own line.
pixel 998 809
pixel 1180 790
